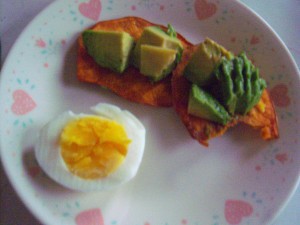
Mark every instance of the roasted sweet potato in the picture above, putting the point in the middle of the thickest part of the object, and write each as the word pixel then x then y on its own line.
pixel 130 85
pixel 262 116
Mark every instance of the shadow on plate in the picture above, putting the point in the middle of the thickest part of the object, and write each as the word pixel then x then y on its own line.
pixel 249 139
pixel 36 175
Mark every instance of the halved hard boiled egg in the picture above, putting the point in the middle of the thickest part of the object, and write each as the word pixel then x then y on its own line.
pixel 92 152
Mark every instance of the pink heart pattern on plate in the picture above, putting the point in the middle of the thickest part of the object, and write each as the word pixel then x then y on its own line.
pixel 23 103
pixel 204 9
pixel 90 217
pixel 236 210
pixel 91 9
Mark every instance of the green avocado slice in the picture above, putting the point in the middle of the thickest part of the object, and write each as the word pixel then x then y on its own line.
pixel 204 105
pixel 225 92
pixel 157 62
pixel 201 66
pixel 258 85
pixel 109 49
pixel 155 36
pixel 237 77
pixel 253 85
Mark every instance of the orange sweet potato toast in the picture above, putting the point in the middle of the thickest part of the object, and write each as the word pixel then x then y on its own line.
pixel 262 116
pixel 130 85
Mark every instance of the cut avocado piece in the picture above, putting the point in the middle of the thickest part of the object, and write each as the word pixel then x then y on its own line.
pixel 238 86
pixel 155 36
pixel 157 62
pixel 109 49
pixel 203 62
pixel 238 80
pixel 226 91
pixel 253 86
pixel 204 105
pixel 247 72
pixel 258 85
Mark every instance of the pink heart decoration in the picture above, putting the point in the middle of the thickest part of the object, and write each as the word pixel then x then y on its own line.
pixel 236 210
pixel 23 103
pixel 91 9
pixel 279 95
pixel 283 157
pixel 204 9
pixel 90 217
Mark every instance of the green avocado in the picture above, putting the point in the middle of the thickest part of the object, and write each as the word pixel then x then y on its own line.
pixel 204 105
pixel 258 85
pixel 203 62
pixel 225 85
pixel 253 85
pixel 238 85
pixel 109 49
pixel 155 36
pixel 238 79
pixel 156 62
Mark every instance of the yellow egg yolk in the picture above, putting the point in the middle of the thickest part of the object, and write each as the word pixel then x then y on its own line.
pixel 93 147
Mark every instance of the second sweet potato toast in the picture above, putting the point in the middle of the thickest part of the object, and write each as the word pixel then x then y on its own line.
pixel 262 116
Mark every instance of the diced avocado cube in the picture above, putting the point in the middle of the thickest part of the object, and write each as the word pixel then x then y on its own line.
pixel 204 105
pixel 203 62
pixel 155 36
pixel 157 62
pixel 109 49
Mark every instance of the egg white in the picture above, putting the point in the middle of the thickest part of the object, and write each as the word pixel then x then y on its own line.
pixel 48 153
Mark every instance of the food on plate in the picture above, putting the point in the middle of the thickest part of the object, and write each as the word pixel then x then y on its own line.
pixel 239 86
pixel 233 82
pixel 203 62
pixel 92 152
pixel 157 52
pixel 211 88
pixel 156 62
pixel 131 84
pixel 202 104
pixel 110 49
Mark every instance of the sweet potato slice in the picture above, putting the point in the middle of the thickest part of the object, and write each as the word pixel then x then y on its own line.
pixel 130 85
pixel 261 117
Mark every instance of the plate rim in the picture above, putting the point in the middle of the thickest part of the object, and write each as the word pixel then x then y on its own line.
pixel 31 205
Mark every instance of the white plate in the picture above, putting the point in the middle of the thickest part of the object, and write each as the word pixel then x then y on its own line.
pixel 239 179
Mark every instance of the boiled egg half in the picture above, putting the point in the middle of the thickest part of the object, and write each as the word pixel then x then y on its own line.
pixel 92 152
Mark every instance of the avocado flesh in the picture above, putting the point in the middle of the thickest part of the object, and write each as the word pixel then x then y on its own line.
pixel 109 49
pixel 204 105
pixel 227 96
pixel 238 85
pixel 238 80
pixel 203 62
pixel 155 36
pixel 157 62
pixel 253 85
pixel 258 85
